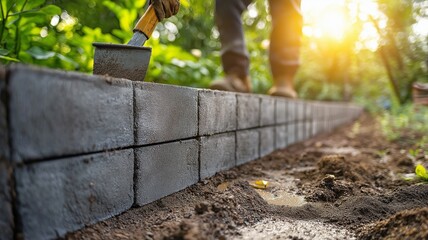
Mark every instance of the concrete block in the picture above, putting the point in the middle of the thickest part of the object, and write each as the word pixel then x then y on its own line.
pixel 281 111
pixel 300 110
pixel 291 110
pixel 315 128
pixel 247 146
pixel 308 115
pixel 267 111
pixel 304 130
pixel 321 112
pixel 292 133
pixel 308 129
pixel 300 131
pixel 267 140
pixel 55 113
pixel 4 137
pixel 165 113
pixel 326 111
pixel 248 111
pixel 6 214
pixel 165 169
pixel 281 136
pixel 217 153
pixel 56 197
pixel 330 113
pixel 316 111
pixel 217 112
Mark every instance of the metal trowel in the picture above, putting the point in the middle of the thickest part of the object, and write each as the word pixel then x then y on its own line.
pixel 127 61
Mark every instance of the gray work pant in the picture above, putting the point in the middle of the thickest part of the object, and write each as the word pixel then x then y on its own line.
pixel 284 39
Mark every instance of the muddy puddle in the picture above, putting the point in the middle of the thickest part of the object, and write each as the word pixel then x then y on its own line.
pixel 281 198
pixel 281 190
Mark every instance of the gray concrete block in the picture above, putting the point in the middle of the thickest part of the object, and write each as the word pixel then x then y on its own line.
pixel 267 111
pixel 247 146
pixel 165 169
pixel 4 137
pixel 217 112
pixel 300 110
pixel 281 136
pixel 300 131
pixel 325 113
pixel 308 129
pixel 267 140
pixel 291 110
pixel 329 112
pixel 304 131
pixel 292 133
pixel 315 111
pixel 308 115
pixel 315 128
pixel 56 113
pixel 248 111
pixel 60 196
pixel 217 153
pixel 281 113
pixel 165 113
pixel 6 214
pixel 321 112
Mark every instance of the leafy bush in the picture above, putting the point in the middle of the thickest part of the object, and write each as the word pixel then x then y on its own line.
pixel 401 119
pixel 20 29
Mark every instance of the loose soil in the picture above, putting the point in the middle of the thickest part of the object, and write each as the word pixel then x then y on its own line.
pixel 344 185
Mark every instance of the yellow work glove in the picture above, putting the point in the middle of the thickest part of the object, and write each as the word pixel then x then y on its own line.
pixel 165 8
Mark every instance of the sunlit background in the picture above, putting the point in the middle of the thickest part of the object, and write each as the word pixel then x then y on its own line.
pixel 334 19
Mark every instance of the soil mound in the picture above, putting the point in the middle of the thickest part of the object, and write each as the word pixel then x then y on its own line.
pixel 367 209
pixel 407 224
pixel 330 189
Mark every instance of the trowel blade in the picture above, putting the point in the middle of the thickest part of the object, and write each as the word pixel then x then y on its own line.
pixel 121 61
pixel 138 39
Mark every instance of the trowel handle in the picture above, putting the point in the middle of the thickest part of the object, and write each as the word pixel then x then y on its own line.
pixel 147 22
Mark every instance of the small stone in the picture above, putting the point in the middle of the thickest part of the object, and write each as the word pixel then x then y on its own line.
pixel 201 207
pixel 216 207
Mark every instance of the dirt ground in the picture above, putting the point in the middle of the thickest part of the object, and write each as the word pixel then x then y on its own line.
pixel 343 185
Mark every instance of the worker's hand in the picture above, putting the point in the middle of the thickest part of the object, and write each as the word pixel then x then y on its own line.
pixel 165 8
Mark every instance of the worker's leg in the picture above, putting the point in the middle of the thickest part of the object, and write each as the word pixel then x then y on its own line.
pixel 284 50
pixel 234 54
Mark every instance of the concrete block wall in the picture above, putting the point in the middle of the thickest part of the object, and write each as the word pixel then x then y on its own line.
pixel 6 207
pixel 77 149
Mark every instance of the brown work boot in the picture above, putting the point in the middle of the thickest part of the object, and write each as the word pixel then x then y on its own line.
pixel 283 91
pixel 283 87
pixel 232 83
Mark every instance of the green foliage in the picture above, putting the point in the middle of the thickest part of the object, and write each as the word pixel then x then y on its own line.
pixel 59 40
pixel 173 65
pixel 414 152
pixel 43 34
pixel 20 29
pixel 402 50
pixel 402 119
